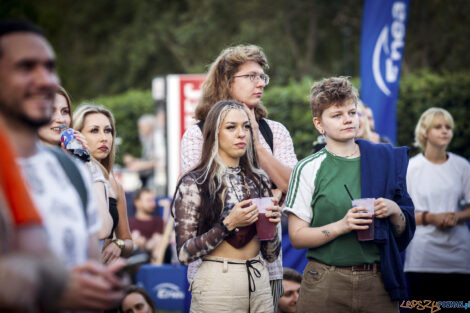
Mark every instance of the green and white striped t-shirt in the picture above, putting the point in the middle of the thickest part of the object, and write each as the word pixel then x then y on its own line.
pixel 317 196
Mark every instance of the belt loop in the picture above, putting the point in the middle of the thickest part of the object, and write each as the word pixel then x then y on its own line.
pixel 332 268
pixel 225 266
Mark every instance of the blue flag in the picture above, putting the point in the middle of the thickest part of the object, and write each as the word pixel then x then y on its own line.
pixel 382 43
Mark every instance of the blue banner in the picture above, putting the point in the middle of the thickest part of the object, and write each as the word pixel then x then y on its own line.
pixel 382 43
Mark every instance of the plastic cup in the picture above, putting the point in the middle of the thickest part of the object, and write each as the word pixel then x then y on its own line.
pixel 265 229
pixel 368 203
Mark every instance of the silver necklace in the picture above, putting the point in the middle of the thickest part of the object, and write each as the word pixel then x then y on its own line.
pixel 346 156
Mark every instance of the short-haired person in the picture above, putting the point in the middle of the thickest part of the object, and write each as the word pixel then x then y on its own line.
pixel 291 282
pixel 145 165
pixel 146 229
pixel 97 125
pixel 137 300
pixel 30 275
pixel 238 74
pixel 437 260
pixel 343 273
pixel 29 83
pixel 214 218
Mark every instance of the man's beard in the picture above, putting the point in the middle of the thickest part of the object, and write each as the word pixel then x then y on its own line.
pixel 22 118
pixel 34 124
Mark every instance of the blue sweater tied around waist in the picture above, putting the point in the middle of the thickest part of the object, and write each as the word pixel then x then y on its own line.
pixel 383 175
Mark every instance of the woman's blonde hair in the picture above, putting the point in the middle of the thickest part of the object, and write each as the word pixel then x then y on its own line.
pixel 426 121
pixel 216 86
pixel 366 131
pixel 78 122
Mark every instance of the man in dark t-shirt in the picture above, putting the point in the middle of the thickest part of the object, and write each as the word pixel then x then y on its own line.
pixel 146 229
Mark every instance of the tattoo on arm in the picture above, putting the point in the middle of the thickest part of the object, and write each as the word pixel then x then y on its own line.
pixel 400 227
pixel 326 233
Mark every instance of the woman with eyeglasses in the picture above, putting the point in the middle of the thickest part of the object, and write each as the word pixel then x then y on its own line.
pixel 238 74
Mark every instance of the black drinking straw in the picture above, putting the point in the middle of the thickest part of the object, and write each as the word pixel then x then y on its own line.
pixel 349 193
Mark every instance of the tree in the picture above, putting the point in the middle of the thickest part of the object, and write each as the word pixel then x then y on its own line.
pixel 109 46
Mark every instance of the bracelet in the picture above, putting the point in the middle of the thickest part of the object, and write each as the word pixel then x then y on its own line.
pixel 227 231
pixel 423 218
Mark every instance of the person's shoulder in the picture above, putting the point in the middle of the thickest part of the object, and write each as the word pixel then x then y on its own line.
pixel 313 160
pixel 415 164
pixel 116 185
pixel 190 178
pixel 50 153
pixel 368 146
pixel 417 158
pixel 95 171
pixel 192 131
pixel 43 152
pixel 459 160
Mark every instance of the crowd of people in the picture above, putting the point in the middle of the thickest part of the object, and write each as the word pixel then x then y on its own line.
pixel 65 230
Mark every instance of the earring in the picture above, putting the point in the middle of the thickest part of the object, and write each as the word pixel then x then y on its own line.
pixel 322 138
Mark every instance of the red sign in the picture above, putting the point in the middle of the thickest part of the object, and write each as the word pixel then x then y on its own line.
pixel 190 93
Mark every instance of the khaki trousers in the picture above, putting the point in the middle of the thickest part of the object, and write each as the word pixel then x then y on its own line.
pixel 222 286
pixel 329 289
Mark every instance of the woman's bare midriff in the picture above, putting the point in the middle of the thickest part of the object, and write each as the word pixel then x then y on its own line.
pixel 249 251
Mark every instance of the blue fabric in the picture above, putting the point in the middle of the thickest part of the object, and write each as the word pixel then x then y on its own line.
pixel 382 44
pixel 383 175
pixel 167 285
pixel 292 257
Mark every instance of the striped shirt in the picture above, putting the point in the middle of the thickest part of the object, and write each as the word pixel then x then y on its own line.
pixel 317 196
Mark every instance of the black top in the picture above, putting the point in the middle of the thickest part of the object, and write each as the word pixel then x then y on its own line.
pixel 114 214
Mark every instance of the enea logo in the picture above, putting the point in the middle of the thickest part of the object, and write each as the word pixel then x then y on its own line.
pixel 391 48
pixel 166 291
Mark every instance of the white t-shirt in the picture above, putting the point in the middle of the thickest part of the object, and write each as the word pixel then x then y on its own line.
pixel 438 188
pixel 60 205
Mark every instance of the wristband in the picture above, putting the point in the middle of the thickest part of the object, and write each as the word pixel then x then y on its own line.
pixel 227 231
pixel 423 218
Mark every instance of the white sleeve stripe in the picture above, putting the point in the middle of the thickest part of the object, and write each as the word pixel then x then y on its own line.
pixel 300 201
pixel 295 177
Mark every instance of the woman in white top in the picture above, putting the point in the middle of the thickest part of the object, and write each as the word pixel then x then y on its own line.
pixel 98 127
pixel 437 259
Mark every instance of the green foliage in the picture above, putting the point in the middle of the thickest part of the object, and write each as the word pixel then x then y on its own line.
pixel 289 105
pixel 110 46
pixel 450 91
pixel 127 108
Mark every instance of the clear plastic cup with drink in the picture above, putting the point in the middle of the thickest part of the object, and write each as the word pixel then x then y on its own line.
pixel 368 204
pixel 265 229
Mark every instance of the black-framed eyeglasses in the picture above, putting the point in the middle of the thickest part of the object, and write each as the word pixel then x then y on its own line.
pixel 255 76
